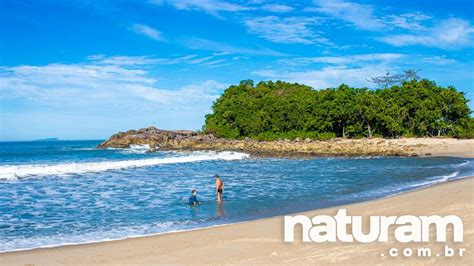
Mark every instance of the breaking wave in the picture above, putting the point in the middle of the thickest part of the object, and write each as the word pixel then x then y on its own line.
pixel 12 172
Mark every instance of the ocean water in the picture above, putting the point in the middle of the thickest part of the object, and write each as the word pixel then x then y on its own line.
pixel 66 192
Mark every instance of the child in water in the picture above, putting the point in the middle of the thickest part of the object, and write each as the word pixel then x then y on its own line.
pixel 193 199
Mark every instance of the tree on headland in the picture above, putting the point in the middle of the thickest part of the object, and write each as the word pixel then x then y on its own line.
pixel 368 106
pixel 272 110
pixel 411 74
pixel 389 79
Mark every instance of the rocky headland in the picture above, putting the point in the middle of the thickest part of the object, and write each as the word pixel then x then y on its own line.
pixel 167 140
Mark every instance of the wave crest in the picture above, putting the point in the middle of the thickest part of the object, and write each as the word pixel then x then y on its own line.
pixel 12 172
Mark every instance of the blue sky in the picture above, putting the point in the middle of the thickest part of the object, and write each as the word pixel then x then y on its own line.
pixel 87 69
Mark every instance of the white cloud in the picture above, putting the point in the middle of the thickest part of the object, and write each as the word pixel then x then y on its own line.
pixel 452 33
pixel 147 31
pixel 212 7
pixel 342 60
pixel 176 60
pixel 223 49
pixel 200 60
pixel 277 8
pixel 191 59
pixel 221 53
pixel 285 30
pixel 439 60
pixel 407 21
pixel 448 34
pixel 236 58
pixel 99 86
pixel 214 62
pixel 360 15
pixel 123 60
pixel 328 76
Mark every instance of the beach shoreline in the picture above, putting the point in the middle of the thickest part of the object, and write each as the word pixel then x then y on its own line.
pixel 234 223
pixel 179 140
pixel 153 248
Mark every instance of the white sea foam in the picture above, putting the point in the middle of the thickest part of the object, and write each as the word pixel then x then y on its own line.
pixel 133 149
pixel 438 179
pixel 86 149
pixel 140 147
pixel 74 238
pixel 462 164
pixel 114 234
pixel 136 149
pixel 11 172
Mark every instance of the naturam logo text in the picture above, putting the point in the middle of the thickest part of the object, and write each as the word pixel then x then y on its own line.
pixel 408 228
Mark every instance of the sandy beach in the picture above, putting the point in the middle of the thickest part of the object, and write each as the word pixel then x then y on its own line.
pixel 261 241
pixel 441 147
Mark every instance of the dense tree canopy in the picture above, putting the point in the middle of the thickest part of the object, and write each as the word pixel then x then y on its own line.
pixel 272 110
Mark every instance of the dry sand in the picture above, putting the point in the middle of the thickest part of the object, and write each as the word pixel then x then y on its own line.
pixel 261 241
pixel 440 147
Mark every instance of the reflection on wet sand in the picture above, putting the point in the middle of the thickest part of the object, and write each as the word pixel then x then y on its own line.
pixel 220 209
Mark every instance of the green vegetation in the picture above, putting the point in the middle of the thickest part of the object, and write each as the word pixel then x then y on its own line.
pixel 272 110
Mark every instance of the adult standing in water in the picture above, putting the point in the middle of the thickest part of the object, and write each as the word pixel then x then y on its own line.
pixel 219 187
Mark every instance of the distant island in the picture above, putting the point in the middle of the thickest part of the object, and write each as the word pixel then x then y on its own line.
pixel 290 118
pixel 46 139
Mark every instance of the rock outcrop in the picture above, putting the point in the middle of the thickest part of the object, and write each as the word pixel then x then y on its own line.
pixel 151 136
pixel 189 140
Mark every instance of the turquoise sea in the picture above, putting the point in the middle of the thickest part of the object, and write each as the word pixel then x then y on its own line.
pixel 66 192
